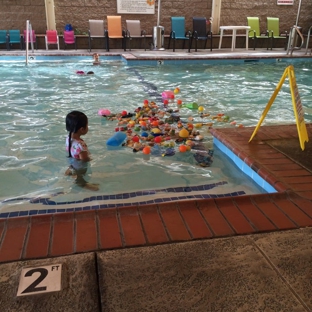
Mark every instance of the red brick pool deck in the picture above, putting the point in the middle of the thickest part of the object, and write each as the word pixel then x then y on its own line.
pixel 76 232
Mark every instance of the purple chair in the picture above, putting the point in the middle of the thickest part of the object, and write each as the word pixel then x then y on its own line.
pixel 69 38
pixel 31 38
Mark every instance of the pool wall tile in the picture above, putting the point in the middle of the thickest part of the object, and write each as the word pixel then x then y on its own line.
pixel 153 226
pixel 13 243
pixel 234 216
pixel 39 237
pixel 109 229
pixel 62 242
pixel 174 223
pixel 214 218
pixel 131 224
pixel 86 232
pixel 194 221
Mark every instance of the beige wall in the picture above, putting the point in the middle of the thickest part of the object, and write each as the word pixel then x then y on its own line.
pixel 14 13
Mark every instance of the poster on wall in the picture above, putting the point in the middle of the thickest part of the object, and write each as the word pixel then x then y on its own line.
pixel 285 2
pixel 136 6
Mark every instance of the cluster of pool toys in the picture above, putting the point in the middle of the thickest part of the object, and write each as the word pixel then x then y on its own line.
pixel 158 130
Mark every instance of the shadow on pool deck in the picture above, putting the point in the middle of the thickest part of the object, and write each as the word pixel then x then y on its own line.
pixel 185 256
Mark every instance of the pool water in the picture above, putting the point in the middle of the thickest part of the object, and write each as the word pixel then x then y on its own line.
pixel 35 99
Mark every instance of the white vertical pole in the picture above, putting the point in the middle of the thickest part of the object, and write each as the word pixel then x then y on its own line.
pixel 26 41
pixel 298 14
pixel 216 14
pixel 50 14
pixel 158 15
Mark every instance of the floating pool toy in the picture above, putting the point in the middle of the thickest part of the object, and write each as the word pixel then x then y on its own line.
pixel 183 133
pixel 117 139
pixel 179 102
pixel 190 105
pixel 204 159
pixel 158 139
pixel 80 72
pixel 201 108
pixel 182 148
pixel 146 150
pixel 135 139
pixel 169 152
pixel 176 90
pixel 104 112
pixel 167 95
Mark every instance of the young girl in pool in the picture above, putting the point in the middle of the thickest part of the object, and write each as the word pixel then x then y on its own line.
pixel 78 153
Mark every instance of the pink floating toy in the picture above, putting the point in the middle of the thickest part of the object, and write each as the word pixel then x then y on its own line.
pixel 80 72
pixel 167 95
pixel 104 112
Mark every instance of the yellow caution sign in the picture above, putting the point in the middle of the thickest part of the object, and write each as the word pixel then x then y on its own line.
pixel 297 106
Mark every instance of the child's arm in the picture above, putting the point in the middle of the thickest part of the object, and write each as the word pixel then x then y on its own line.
pixel 84 156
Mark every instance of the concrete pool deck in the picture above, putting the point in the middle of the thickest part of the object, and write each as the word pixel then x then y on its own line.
pixel 245 253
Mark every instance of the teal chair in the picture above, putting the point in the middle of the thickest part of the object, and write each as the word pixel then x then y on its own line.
pixel 4 38
pixel 178 32
pixel 274 31
pixel 14 37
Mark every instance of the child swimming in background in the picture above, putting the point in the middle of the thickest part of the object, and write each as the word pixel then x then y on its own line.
pixel 78 153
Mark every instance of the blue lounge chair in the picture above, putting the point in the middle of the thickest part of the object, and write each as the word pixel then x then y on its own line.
pixel 178 32
pixel 14 37
pixel 4 38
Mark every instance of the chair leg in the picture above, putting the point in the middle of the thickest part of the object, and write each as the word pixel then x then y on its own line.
pixel 107 44
pixel 211 43
pixel 89 44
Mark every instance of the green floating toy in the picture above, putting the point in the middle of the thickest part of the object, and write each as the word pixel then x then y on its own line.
pixel 190 105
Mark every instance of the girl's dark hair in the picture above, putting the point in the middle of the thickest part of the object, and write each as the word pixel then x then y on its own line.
pixel 74 121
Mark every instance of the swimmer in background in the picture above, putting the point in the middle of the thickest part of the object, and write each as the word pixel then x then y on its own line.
pixel 78 153
pixel 96 59
pixel 81 72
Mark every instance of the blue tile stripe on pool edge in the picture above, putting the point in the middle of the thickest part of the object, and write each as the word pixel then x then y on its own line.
pixel 50 203
pixel 244 167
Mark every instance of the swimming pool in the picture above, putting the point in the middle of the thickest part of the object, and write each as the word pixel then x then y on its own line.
pixel 35 99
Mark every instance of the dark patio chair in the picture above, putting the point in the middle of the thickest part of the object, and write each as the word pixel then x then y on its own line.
pixel 200 31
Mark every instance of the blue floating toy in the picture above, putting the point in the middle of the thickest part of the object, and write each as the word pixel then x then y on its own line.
pixel 144 134
pixel 169 152
pixel 117 139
